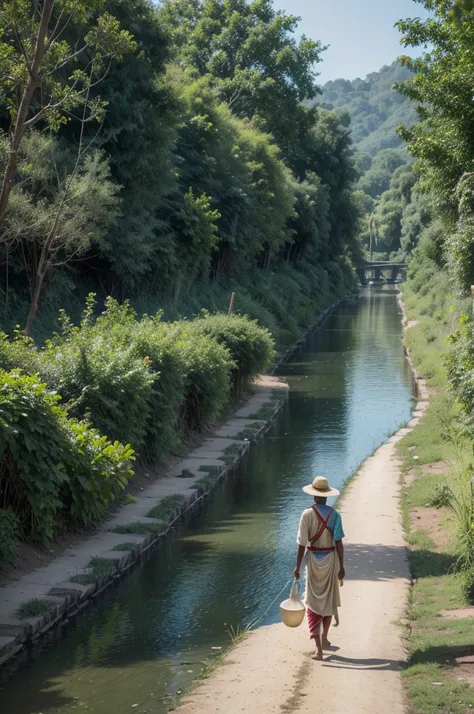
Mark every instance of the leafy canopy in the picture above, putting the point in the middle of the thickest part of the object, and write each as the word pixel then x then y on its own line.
pixel 71 30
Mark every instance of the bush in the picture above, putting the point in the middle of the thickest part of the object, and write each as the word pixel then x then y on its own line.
pixel 206 369
pixel 250 346
pixel 18 353
pixel 53 470
pixel 153 339
pixel 150 342
pixel 9 537
pixel 100 377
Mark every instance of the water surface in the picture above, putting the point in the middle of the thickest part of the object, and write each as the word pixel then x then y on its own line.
pixel 349 388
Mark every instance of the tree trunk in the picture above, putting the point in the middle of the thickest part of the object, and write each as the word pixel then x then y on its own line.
pixel 38 286
pixel 21 118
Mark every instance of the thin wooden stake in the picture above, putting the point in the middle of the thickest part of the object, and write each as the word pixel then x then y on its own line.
pixel 472 293
pixel 231 305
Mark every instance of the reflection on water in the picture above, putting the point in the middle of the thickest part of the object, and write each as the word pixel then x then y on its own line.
pixel 350 387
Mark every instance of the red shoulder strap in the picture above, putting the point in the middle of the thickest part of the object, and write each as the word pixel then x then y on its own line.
pixel 323 524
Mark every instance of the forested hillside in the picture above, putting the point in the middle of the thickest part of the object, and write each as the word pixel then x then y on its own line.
pixel 169 159
pixel 390 212
pixel 374 108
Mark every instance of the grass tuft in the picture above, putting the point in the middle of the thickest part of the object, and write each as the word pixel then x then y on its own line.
pixel 126 546
pixel 34 608
pixel 140 528
pixel 97 568
pixel 167 508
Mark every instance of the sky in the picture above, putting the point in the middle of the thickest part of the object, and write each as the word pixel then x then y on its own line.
pixel 361 33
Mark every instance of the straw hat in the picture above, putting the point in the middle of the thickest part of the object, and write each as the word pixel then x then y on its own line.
pixel 321 487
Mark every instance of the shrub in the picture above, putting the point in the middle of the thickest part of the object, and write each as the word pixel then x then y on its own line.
pixel 153 339
pixel 151 343
pixel 53 469
pixel 18 353
pixel 34 608
pixel 206 369
pixel 441 496
pixel 250 346
pixel 99 375
pixel 99 471
pixel 9 541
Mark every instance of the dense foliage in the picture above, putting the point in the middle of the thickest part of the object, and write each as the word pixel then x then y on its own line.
pixel 145 381
pixel 161 156
pixel 439 229
pixel 53 470
pixel 388 211
pixel 250 347
pixel 207 163
pixel 374 108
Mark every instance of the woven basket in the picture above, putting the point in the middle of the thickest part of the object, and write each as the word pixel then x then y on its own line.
pixel 292 610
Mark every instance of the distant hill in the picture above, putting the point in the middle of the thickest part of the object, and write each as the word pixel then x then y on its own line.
pixel 375 108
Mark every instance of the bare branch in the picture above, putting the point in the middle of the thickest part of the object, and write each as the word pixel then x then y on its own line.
pixel 54 38
pixel 22 48
pixel 67 60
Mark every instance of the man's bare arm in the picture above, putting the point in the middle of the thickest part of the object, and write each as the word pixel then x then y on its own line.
pixel 299 560
pixel 340 552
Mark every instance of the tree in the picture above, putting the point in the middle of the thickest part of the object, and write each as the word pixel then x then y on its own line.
pixel 38 43
pixel 443 141
pixel 62 205
pixel 249 50
pixel 442 89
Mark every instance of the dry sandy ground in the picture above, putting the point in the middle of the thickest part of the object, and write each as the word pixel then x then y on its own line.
pixel 272 670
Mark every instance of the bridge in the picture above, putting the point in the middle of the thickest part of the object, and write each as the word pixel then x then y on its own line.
pixel 380 272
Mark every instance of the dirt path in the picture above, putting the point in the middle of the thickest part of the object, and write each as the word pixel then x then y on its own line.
pixel 272 670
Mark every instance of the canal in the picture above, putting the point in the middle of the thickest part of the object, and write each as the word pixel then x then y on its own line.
pixel 350 387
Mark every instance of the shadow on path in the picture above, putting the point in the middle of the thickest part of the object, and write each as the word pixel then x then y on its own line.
pixel 338 662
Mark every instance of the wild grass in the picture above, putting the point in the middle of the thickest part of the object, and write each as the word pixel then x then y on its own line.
pixel 434 642
pixel 265 413
pixel 140 528
pixel 432 440
pixel 126 546
pixel 34 608
pixel 167 508
pixel 247 434
pixel 97 568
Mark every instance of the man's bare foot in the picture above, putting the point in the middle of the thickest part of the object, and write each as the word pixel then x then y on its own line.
pixel 317 656
pixel 326 643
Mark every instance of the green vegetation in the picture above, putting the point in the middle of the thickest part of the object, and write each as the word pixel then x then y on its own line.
pixel 204 173
pixel 374 108
pixel 54 470
pixel 9 537
pixel 248 434
pixel 159 162
pixel 433 642
pixel 127 499
pixel 393 211
pixel 265 413
pixel 167 508
pixel 442 570
pixel 97 568
pixel 126 546
pixel 148 380
pixel 441 271
pixel 140 528
pixel 35 608
pixel 250 347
